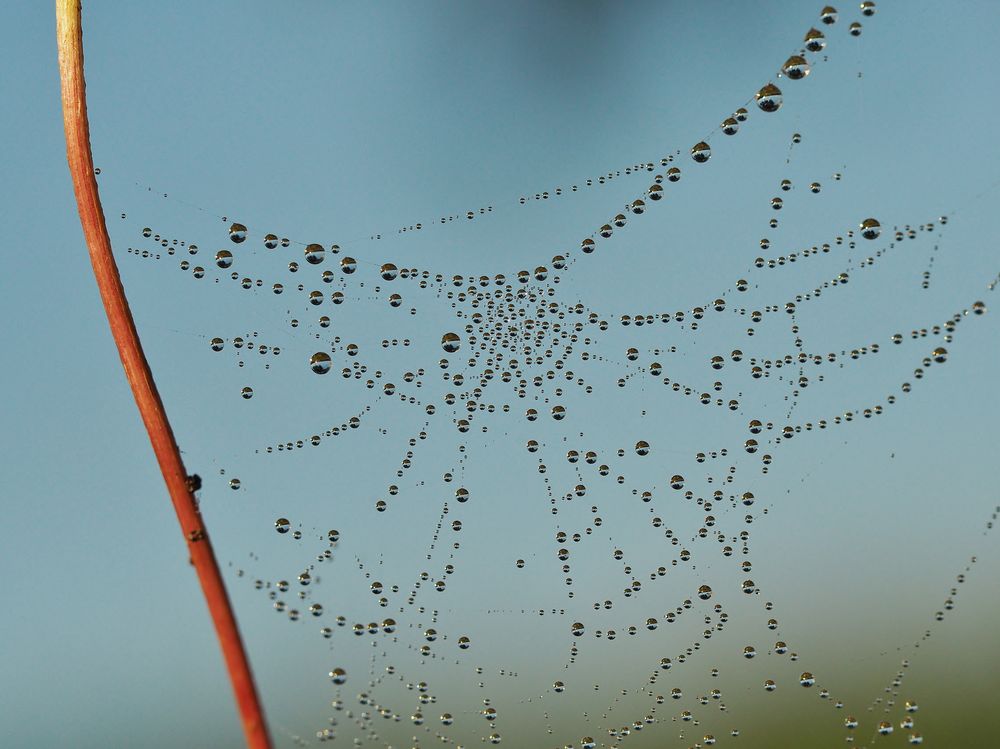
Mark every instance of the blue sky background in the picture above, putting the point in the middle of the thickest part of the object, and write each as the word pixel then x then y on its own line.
pixel 334 122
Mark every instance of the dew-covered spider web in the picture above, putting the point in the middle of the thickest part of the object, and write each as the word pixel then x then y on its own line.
pixel 691 449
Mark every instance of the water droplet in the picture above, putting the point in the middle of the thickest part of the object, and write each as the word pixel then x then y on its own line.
pixel 237 233
pixel 769 98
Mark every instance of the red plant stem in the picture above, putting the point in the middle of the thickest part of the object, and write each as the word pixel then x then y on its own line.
pixel 69 34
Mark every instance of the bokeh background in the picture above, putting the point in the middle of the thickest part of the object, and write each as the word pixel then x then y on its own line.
pixel 338 122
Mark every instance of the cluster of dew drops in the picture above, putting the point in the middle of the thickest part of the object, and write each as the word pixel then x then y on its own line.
pixel 518 338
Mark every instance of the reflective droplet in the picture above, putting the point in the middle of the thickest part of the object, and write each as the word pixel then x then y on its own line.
pixel 815 40
pixel 314 254
pixel 769 98
pixel 237 233
pixel 870 228
pixel 795 68
pixel 320 362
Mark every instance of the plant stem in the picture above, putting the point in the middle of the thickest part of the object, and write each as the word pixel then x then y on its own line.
pixel 69 34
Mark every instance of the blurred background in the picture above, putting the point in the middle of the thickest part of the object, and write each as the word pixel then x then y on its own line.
pixel 350 125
